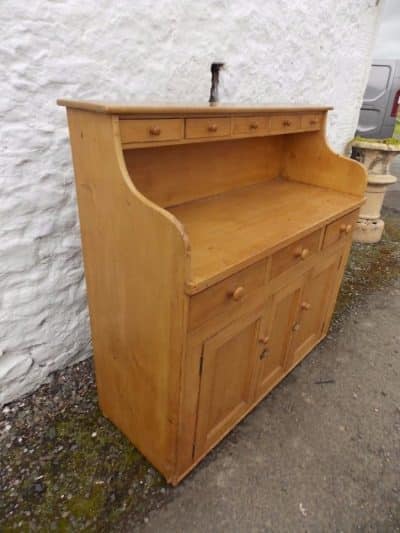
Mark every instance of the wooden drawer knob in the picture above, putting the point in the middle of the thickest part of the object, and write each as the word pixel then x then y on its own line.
pixel 302 253
pixel 346 228
pixel 264 340
pixel 296 326
pixel 155 130
pixel 253 126
pixel 286 122
pixel 264 353
pixel 313 122
pixel 305 306
pixel 238 293
pixel 213 128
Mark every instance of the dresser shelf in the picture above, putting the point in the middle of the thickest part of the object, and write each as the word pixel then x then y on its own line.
pixel 214 240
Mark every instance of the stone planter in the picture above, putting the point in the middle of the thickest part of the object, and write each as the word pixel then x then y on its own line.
pixel 376 157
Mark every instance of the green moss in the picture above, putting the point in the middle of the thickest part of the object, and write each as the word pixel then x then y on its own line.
pixel 389 140
pixel 371 266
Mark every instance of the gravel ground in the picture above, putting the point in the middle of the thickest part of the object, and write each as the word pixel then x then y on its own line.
pixel 64 467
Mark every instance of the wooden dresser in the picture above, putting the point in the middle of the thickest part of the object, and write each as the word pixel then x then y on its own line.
pixel 214 242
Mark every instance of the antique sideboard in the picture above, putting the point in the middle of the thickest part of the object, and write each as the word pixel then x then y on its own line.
pixel 214 240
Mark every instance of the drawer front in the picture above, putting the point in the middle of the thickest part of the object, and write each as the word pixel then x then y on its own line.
pixel 232 296
pixel 285 123
pixel 311 122
pixel 198 128
pixel 151 130
pixel 249 125
pixel 295 253
pixel 340 229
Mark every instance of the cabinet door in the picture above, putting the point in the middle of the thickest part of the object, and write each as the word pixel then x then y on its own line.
pixel 316 299
pixel 227 380
pixel 275 334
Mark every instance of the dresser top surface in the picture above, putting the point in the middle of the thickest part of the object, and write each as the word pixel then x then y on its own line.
pixel 116 108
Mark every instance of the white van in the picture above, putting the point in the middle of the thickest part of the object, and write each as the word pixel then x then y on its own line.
pixel 381 100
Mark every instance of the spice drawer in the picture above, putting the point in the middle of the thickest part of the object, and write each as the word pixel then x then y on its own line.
pixel 235 294
pixel 250 125
pixel 197 128
pixel 295 253
pixel 285 123
pixel 310 122
pixel 340 229
pixel 144 130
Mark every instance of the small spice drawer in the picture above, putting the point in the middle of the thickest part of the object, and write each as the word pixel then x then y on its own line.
pixel 234 295
pixel 198 128
pixel 340 229
pixel 151 130
pixel 250 125
pixel 285 123
pixel 310 122
pixel 295 253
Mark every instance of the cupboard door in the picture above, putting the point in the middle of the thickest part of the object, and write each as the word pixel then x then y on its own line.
pixel 319 289
pixel 276 332
pixel 227 380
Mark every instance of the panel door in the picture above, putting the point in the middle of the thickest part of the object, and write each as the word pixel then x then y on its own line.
pixel 316 299
pixel 227 380
pixel 276 332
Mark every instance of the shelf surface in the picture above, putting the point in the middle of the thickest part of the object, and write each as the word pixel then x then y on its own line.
pixel 234 229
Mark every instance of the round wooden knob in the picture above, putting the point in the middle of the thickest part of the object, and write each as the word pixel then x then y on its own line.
pixel 238 293
pixel 213 127
pixel 305 306
pixel 264 353
pixel 302 253
pixel 264 340
pixel 253 126
pixel 296 326
pixel 346 228
pixel 313 122
pixel 286 122
pixel 155 130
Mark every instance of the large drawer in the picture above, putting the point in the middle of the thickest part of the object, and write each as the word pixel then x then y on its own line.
pixel 233 295
pixel 150 130
pixel 199 128
pixel 340 229
pixel 295 253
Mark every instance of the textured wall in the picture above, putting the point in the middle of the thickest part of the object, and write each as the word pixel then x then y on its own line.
pixel 277 51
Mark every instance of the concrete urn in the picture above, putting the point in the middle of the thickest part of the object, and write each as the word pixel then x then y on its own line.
pixel 377 158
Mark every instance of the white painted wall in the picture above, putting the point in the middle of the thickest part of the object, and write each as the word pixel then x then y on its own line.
pixel 299 51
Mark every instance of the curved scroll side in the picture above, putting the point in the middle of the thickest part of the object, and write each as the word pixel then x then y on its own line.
pixel 310 159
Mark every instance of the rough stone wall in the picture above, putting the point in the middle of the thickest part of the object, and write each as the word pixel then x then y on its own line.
pixel 298 51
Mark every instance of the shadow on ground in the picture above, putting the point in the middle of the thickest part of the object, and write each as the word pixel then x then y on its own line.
pixel 64 467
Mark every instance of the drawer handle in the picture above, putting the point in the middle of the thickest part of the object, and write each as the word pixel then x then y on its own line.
pixel 264 353
pixel 264 340
pixel 313 122
pixel 213 128
pixel 155 130
pixel 237 294
pixel 305 306
pixel 302 253
pixel 296 326
pixel 253 126
pixel 286 122
pixel 346 228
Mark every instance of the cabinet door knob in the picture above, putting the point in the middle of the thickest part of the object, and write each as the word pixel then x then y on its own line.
pixel 212 128
pixel 253 125
pixel 238 293
pixel 264 340
pixel 302 253
pixel 346 228
pixel 296 326
pixel 264 353
pixel 305 306
pixel 313 122
pixel 286 122
pixel 155 130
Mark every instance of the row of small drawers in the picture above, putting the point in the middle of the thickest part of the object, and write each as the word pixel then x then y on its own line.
pixel 225 296
pixel 175 129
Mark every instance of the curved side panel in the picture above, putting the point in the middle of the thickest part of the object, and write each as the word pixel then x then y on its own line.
pixel 136 259
pixel 309 159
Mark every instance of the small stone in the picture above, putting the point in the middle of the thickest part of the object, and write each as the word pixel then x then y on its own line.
pixel 94 434
pixel 39 488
